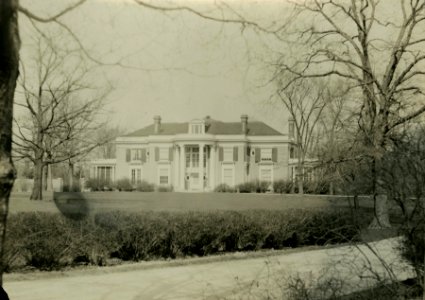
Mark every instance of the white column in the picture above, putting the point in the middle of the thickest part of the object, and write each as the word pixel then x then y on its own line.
pixel 176 167
pixel 201 164
pixel 212 164
pixel 182 166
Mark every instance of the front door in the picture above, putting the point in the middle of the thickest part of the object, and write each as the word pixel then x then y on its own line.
pixel 192 169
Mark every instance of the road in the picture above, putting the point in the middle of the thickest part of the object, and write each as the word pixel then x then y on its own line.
pixel 246 278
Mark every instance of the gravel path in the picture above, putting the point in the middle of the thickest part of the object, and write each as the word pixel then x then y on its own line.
pixel 251 278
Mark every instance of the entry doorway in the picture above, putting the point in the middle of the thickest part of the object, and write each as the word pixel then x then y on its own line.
pixel 194 178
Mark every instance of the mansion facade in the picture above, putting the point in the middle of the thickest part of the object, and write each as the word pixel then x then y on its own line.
pixel 200 155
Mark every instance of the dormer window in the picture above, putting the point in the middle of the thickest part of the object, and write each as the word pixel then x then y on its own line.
pixel 197 127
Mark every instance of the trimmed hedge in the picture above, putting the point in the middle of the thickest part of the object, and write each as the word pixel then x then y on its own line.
pixel 224 188
pixel 48 241
pixel 145 186
pixel 283 186
pixel 124 184
pixel 95 184
pixel 256 186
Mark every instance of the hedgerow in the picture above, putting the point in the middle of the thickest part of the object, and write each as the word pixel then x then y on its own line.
pixel 49 241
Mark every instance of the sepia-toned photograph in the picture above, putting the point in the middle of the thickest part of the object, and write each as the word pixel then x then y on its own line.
pixel 212 149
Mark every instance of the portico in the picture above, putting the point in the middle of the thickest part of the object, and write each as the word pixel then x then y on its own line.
pixel 194 166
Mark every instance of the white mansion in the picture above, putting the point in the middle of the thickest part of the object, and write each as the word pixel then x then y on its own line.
pixel 200 154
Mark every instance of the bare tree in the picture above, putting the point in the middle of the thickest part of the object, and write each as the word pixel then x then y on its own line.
pixel 379 53
pixel 9 66
pixel 404 177
pixel 108 133
pixel 305 102
pixel 337 135
pixel 62 111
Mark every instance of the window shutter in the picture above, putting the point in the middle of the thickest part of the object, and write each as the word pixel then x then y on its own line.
pixel 220 154
pixel 170 154
pixel 257 155
pixel 274 154
pixel 156 153
pixel 144 155
pixel 127 155
pixel 235 153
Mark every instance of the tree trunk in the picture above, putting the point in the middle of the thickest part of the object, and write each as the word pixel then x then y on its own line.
pixel 37 190
pixel 9 64
pixel 423 278
pixel 49 180
pixel 45 178
pixel 331 188
pixel 300 177
pixel 381 219
pixel 71 176
pixel 300 185
pixel 380 200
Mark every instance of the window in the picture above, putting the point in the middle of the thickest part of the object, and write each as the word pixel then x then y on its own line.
pixel 291 152
pixel 163 154
pixel 104 173
pixel 266 154
pixel 136 154
pixel 192 157
pixel 308 174
pixel 228 154
pixel 135 175
pixel 164 174
pixel 196 128
pixel 188 156
pixel 195 157
pixel 266 174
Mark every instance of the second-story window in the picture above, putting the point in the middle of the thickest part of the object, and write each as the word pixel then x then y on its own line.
pixel 266 154
pixel 163 153
pixel 136 154
pixel 228 154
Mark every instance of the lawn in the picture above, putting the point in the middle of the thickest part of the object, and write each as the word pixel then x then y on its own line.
pixel 134 201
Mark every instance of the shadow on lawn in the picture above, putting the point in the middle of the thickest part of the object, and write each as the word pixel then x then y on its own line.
pixel 72 205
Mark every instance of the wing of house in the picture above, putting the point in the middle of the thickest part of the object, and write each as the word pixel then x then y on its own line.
pixel 199 155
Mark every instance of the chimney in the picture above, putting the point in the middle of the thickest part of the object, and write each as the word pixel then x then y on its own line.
pixel 157 123
pixel 244 122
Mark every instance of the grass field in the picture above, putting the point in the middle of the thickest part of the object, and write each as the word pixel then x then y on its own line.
pixel 133 202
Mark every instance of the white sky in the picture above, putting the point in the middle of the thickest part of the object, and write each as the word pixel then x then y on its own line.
pixel 194 67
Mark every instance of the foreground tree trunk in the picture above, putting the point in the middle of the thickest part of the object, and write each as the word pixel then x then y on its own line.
pixel 9 66
pixel 49 180
pixel 300 177
pixel 331 188
pixel 380 199
pixel 71 176
pixel 37 190
pixel 381 218
pixel 45 178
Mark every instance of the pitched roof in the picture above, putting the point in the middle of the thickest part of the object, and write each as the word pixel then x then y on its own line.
pixel 255 128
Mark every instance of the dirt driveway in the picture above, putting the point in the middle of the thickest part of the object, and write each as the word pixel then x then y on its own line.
pixel 248 278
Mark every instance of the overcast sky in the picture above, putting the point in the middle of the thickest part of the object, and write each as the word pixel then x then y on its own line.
pixel 186 67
